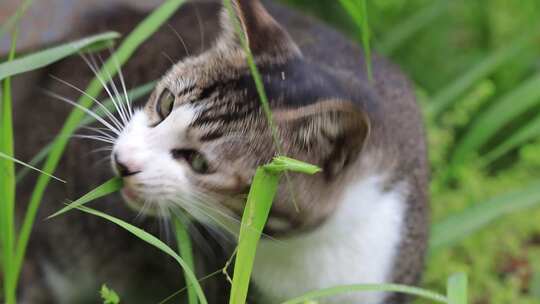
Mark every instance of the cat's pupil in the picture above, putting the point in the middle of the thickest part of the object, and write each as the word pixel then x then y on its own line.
pixel 196 160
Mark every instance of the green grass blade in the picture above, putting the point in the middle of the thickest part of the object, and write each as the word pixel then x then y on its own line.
pixel 152 240
pixel 255 74
pixel 142 32
pixel 322 293
pixel 523 135
pixel 250 226
pixel 412 25
pixel 259 202
pixel 14 19
pixel 261 194
pixel 108 187
pixel 444 99
pixel 283 163
pixel 35 161
pixel 43 58
pixel 357 9
pixel 30 167
pixel 456 227
pixel 7 185
pixel 263 98
pixel 176 293
pixel 133 95
pixel 457 289
pixel 186 252
pixel 490 122
pixel 242 274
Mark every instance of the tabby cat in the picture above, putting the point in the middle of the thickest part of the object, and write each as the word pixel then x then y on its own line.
pixel 197 141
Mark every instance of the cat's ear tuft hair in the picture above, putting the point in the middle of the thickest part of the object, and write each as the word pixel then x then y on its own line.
pixel 332 133
pixel 265 36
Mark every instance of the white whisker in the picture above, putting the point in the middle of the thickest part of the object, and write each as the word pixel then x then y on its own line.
pixel 168 57
pixel 222 211
pixel 106 111
pixel 117 94
pixel 88 111
pixel 94 137
pixel 103 160
pixel 180 38
pixel 92 65
pixel 142 212
pixel 102 132
pixel 196 202
pixel 192 206
pixel 164 223
pixel 201 27
pixel 195 232
pixel 102 149
pixel 122 81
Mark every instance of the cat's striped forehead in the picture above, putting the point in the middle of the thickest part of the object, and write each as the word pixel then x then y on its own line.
pixel 227 99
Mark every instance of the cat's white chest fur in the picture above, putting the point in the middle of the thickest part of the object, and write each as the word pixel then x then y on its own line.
pixel 356 246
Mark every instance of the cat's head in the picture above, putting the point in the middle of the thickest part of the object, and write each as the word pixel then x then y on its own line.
pixel 203 132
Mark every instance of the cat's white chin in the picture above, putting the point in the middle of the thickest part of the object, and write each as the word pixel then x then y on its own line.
pixel 135 202
pixel 129 195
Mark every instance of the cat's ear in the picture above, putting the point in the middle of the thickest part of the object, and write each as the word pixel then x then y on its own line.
pixel 331 133
pixel 265 36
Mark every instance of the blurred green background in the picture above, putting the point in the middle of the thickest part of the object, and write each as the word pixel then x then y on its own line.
pixel 475 66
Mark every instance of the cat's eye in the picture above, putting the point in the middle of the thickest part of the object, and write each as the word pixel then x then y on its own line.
pixel 165 103
pixel 196 160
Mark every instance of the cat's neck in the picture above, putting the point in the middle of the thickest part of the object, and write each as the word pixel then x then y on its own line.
pixel 356 245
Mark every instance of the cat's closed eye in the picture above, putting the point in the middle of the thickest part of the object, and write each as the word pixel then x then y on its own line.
pixel 165 104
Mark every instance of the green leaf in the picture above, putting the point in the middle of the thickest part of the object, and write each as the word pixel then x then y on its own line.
pixel 259 202
pixel 491 121
pixel 142 32
pixel 446 96
pixel 109 296
pixel 46 57
pixel 327 292
pixel 458 226
pixel 110 186
pixel 7 186
pixel 357 9
pixel 152 240
pixel 457 289
pixel 185 249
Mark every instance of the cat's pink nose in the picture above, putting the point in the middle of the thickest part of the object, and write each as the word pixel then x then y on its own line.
pixel 124 169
